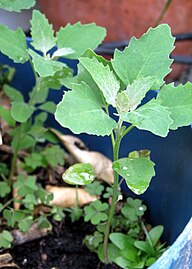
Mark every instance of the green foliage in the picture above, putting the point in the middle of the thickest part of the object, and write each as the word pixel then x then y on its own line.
pixel 79 174
pixel 95 188
pixel 6 239
pixel 133 209
pixel 137 172
pixel 16 5
pixel 4 189
pixel 96 212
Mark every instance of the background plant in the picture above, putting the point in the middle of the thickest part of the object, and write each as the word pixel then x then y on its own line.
pixel 122 83
pixel 27 127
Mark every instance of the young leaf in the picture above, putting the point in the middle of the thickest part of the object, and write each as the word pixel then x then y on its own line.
pixel 16 5
pixel 21 111
pixel 155 234
pixel 42 33
pixel 137 172
pixel 25 224
pixel 4 189
pixel 25 186
pixel 152 117
pixel 80 110
pixel 12 93
pixel 79 174
pixel 48 106
pixel 95 188
pixel 96 212
pixel 63 52
pixel 103 77
pixel 178 100
pixel 140 58
pixel 6 115
pixel 54 155
pixel 133 209
pixel 6 239
pixel 43 66
pixel 137 90
pixel 13 44
pixel 71 37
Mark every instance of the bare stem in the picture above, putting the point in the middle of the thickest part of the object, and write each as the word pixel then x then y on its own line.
pixel 165 8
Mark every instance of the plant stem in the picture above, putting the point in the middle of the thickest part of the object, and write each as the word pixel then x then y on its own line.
pixel 114 197
pixel 76 197
pixel 165 8
pixel 12 169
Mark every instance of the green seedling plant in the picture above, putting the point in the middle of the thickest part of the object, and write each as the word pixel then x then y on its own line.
pixel 122 83
pixel 27 127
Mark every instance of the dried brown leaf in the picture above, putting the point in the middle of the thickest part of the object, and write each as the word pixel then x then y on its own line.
pixel 6 261
pixel 33 233
pixel 101 164
pixel 66 196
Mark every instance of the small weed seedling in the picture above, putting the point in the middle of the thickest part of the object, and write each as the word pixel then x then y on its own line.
pixel 122 83
pixel 26 127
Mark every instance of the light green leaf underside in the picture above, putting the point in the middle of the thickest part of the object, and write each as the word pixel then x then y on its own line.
pixel 45 67
pixel 103 77
pixel 21 111
pixel 179 102
pixel 80 111
pixel 146 56
pixel 42 32
pixel 137 90
pixel 13 44
pixel 79 174
pixel 16 5
pixel 151 117
pixel 137 172
pixel 80 37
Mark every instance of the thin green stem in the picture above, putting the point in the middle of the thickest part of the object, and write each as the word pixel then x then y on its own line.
pixel 165 8
pixel 127 130
pixel 146 233
pixel 76 197
pixel 121 181
pixel 6 204
pixel 114 197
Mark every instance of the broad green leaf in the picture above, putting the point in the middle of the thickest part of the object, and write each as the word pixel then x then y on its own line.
pixel 155 234
pixel 112 253
pixel 137 90
pixel 80 111
pixel 16 5
pixel 39 93
pixel 137 172
pixel 79 174
pixel 43 66
pixel 6 239
pixel 48 106
pixel 12 93
pixel 103 77
pixel 121 240
pixel 146 56
pixel 80 37
pixel 152 117
pixel 144 246
pixel 42 33
pixel 21 111
pixel 6 115
pixel 178 100
pixel 122 103
pixel 123 263
pixel 13 44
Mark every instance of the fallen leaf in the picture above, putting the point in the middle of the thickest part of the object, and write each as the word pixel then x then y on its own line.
pixel 33 233
pixel 6 261
pixel 101 164
pixel 66 196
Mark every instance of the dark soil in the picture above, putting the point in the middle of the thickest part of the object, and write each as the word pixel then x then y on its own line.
pixel 63 249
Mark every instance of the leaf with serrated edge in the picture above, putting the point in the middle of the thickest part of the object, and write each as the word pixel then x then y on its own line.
pixel 103 77
pixel 80 37
pixel 81 111
pixel 140 58
pixel 13 44
pixel 137 172
pixel 137 91
pixel 42 32
pixel 151 117
pixel 16 5
pixel 79 174
pixel 179 102
pixel 45 67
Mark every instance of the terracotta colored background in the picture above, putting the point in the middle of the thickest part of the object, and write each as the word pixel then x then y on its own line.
pixel 123 18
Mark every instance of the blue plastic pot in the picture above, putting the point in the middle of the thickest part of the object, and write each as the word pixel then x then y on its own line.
pixel 169 194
